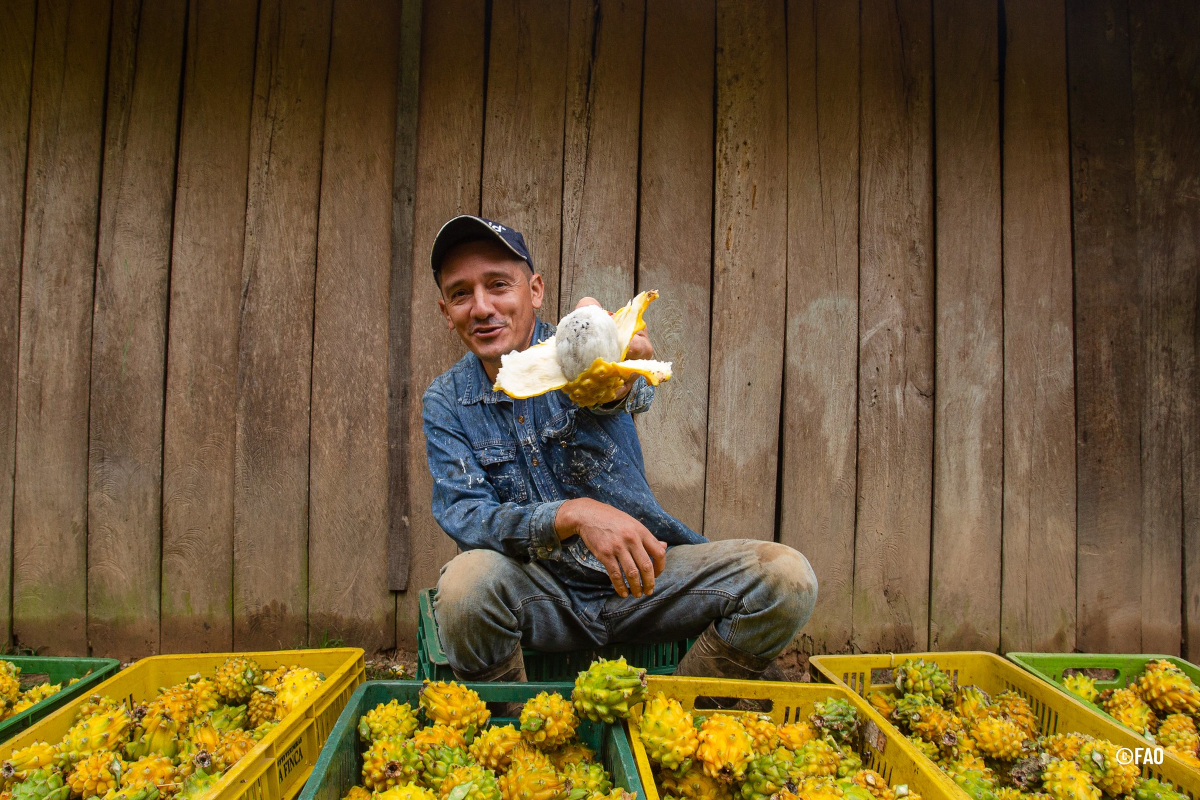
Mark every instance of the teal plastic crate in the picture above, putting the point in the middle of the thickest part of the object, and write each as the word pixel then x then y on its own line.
pixel 656 659
pixel 340 764
pixel 50 669
pixel 1126 668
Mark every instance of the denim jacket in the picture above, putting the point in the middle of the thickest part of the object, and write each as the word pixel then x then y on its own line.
pixel 502 467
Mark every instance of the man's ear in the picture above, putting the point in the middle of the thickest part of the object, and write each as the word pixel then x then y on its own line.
pixel 537 288
pixel 442 308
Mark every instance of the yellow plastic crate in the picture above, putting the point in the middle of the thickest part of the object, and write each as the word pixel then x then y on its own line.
pixel 885 751
pixel 278 766
pixel 1057 711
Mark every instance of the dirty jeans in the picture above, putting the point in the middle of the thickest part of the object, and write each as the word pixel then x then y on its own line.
pixel 758 594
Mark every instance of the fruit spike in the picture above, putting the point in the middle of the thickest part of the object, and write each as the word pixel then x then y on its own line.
pixel 387 721
pixel 548 721
pixel 452 704
pixel 668 733
pixel 237 677
pixel 608 690
pixel 42 785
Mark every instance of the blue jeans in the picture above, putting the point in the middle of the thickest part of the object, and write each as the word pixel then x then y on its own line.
pixel 758 595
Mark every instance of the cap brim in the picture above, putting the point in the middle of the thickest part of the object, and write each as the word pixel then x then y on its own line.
pixel 465 228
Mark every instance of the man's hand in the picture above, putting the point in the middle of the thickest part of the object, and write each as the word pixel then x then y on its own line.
pixel 639 347
pixel 622 544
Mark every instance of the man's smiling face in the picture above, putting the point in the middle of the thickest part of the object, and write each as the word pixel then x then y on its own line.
pixel 490 298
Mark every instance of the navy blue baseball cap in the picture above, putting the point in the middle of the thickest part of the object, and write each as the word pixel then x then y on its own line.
pixel 467 228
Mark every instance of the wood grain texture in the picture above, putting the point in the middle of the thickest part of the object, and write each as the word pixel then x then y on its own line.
pixel 129 327
pixel 1165 51
pixel 348 595
pixel 16 63
pixel 675 244
pixel 749 271
pixel 968 446
pixel 404 188
pixel 66 132
pixel 523 132
pixel 600 152
pixel 202 346
pixel 1039 414
pixel 821 353
pixel 449 156
pixel 896 317
pixel 270 544
pixel 1108 369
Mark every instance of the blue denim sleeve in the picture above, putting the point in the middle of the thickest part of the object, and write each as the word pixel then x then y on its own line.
pixel 466 505
pixel 636 401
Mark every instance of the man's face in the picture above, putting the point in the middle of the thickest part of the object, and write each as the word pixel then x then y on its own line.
pixel 489 297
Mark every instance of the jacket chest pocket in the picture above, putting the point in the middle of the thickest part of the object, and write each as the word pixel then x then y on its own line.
pixel 577 448
pixel 499 461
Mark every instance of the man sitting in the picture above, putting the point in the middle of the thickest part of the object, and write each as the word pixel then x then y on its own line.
pixel 564 545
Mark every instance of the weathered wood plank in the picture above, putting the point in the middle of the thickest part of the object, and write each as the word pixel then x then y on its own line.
pixel 749 271
pixel 404 187
pixel 202 345
pixel 66 132
pixel 675 243
pixel 1165 48
pixel 16 63
pixel 523 133
pixel 821 358
pixel 968 445
pixel 1039 415
pixel 270 541
pixel 449 156
pixel 896 316
pixel 348 595
pixel 1108 370
pixel 129 327
pixel 600 156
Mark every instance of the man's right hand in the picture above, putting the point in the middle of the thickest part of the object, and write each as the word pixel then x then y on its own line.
pixel 622 544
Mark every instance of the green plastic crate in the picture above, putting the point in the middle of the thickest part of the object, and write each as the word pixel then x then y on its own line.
pixel 90 672
pixel 1051 667
pixel 656 659
pixel 340 764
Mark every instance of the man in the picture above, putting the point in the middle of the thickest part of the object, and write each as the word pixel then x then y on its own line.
pixel 565 546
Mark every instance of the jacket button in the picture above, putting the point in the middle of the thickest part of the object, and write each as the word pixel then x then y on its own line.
pixel 521 419
pixel 535 462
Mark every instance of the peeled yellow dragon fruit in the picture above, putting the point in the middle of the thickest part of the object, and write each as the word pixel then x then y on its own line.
pixel 585 358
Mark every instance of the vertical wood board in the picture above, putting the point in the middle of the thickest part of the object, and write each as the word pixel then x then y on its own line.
pixel 896 316
pixel 202 345
pixel 1165 49
pixel 1108 374
pixel 1039 415
pixel 449 156
pixel 400 395
pixel 749 271
pixel 523 132
pixel 348 596
pixel 62 197
pixel 600 152
pixel 271 500
pixel 129 327
pixel 675 244
pixel 820 386
pixel 16 64
pixel 969 416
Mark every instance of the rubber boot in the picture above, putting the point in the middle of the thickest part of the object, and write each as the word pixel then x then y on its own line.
pixel 711 657
pixel 510 670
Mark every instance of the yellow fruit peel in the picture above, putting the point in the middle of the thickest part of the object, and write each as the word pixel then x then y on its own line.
pixel 535 370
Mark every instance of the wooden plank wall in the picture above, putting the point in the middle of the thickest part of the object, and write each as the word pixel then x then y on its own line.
pixel 929 276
